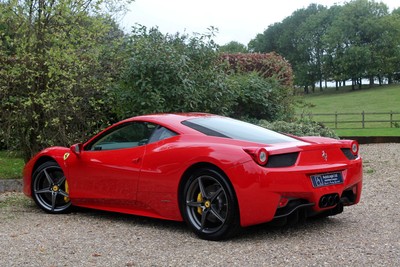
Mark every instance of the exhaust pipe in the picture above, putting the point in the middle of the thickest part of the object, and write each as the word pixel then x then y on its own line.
pixel 329 200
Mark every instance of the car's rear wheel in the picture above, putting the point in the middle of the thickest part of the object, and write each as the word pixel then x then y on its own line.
pixel 209 205
pixel 50 188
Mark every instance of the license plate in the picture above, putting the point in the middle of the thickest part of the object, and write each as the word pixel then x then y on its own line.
pixel 326 179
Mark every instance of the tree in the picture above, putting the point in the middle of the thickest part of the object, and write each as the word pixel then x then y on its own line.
pixel 267 41
pixel 53 79
pixel 298 39
pixel 331 64
pixel 311 35
pixel 233 47
pixel 354 38
pixel 387 48
pixel 357 40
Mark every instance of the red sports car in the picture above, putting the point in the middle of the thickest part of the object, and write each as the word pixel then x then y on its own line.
pixel 216 173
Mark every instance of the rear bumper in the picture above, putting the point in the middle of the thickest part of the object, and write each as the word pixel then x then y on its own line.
pixel 264 193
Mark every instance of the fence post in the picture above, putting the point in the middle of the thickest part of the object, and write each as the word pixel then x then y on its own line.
pixel 336 115
pixel 391 119
pixel 363 119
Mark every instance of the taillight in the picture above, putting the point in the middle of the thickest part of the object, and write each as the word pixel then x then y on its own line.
pixel 260 155
pixel 354 148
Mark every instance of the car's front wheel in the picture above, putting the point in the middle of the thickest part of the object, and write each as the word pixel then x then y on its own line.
pixel 50 188
pixel 209 205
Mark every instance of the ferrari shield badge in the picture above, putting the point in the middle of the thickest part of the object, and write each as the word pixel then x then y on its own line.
pixel 66 155
pixel 324 155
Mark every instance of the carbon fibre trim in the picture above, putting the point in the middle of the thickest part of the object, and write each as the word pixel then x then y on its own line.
pixel 292 206
pixel 282 160
pixel 348 154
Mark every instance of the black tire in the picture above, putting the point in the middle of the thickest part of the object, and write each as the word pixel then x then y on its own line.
pixel 49 188
pixel 209 206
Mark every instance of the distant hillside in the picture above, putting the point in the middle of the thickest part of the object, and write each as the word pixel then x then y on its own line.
pixel 376 99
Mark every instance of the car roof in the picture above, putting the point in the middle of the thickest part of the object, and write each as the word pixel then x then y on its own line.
pixel 172 121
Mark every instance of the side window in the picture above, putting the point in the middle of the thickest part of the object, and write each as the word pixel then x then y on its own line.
pixel 161 133
pixel 125 136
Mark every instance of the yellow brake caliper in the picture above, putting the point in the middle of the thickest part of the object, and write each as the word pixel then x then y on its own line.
pixel 200 200
pixel 66 199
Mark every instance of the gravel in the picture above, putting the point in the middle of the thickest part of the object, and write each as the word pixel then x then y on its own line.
pixel 367 234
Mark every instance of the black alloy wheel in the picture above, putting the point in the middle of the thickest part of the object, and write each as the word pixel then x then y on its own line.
pixel 209 205
pixel 50 189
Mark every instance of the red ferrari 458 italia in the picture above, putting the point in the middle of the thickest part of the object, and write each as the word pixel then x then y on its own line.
pixel 216 173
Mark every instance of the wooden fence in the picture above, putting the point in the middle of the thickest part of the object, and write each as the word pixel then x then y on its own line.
pixel 356 120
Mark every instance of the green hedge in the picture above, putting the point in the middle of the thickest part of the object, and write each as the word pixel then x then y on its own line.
pixel 301 128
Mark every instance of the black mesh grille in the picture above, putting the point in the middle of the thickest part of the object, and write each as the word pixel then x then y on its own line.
pixel 348 154
pixel 282 160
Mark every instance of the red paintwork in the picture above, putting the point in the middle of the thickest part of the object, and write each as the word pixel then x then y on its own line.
pixel 145 180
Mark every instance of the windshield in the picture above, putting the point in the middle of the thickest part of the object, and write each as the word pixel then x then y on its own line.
pixel 235 129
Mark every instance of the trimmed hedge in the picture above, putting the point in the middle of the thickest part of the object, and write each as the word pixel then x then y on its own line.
pixel 268 65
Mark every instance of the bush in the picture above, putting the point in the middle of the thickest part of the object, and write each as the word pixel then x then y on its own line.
pixel 301 128
pixel 181 73
pixel 172 73
pixel 260 98
pixel 269 65
pixel 58 62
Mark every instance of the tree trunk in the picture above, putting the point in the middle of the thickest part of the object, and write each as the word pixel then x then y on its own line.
pixel 371 81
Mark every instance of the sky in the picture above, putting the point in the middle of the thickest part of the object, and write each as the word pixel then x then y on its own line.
pixel 236 20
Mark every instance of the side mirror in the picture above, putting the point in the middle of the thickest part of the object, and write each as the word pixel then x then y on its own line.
pixel 77 149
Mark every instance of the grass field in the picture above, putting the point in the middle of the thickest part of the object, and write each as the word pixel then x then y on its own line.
pixel 10 165
pixel 379 99
pixel 368 132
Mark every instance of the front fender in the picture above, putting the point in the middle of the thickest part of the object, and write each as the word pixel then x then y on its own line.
pixel 57 154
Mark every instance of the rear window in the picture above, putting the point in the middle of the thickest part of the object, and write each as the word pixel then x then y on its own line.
pixel 235 129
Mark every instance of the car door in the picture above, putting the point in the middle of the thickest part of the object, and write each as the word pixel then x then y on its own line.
pixel 106 172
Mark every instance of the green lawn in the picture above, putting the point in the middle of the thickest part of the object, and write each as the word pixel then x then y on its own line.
pixel 10 165
pixel 368 132
pixel 379 99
